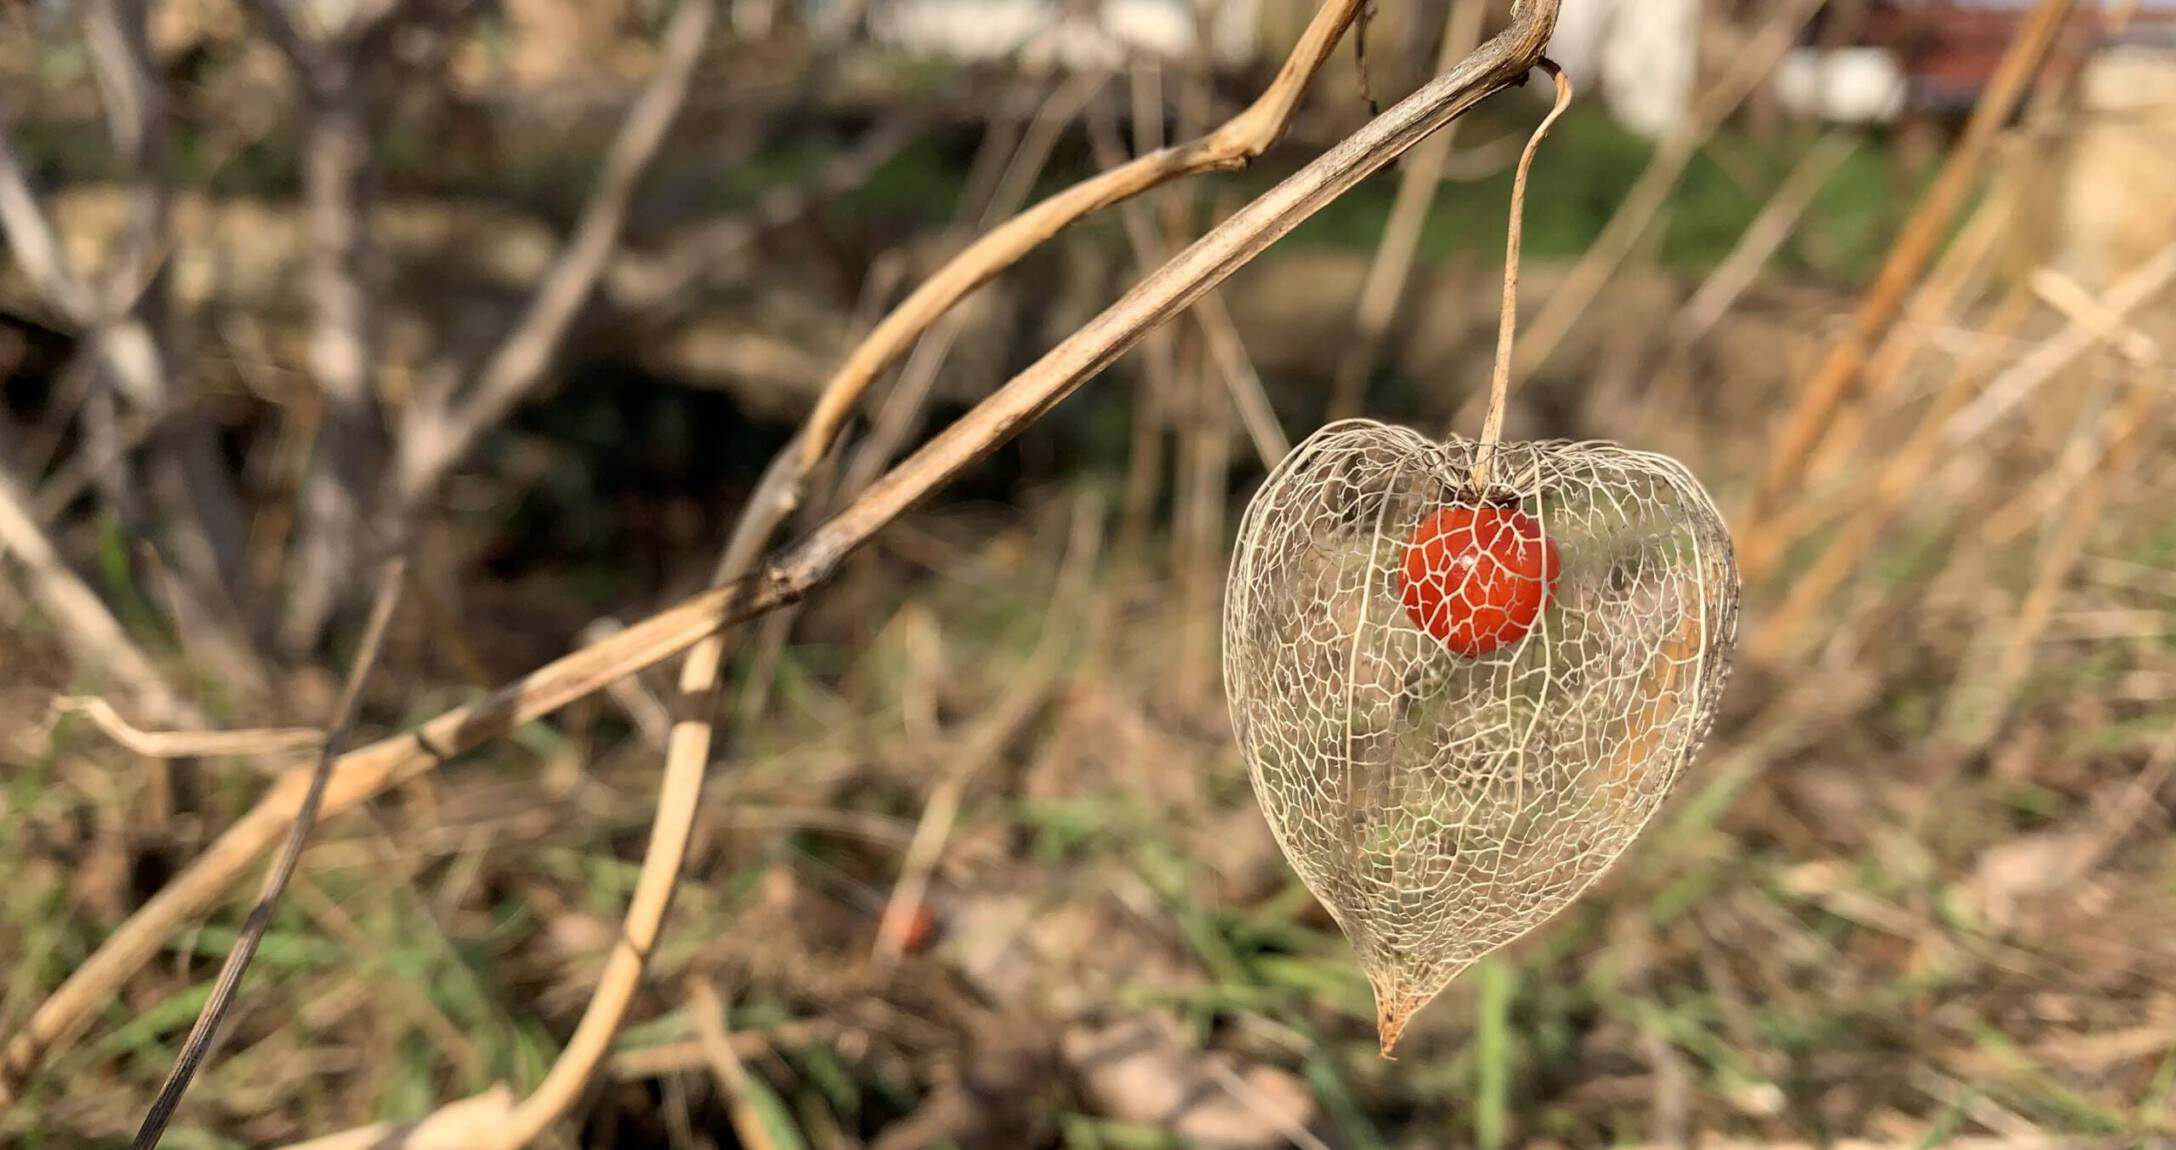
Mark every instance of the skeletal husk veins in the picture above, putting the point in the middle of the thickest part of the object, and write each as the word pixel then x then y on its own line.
pixel 1439 798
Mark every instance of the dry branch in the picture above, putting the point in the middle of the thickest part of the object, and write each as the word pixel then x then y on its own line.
pixel 365 772
pixel 188 744
pixel 436 435
pixel 687 757
pixel 1215 320
pixel 1233 145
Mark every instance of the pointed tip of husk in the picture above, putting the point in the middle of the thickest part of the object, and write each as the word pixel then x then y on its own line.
pixel 1390 1020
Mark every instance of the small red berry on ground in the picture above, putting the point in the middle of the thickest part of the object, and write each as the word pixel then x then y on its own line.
pixel 1477 576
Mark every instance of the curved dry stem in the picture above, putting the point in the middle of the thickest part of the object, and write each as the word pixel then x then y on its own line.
pixel 1233 145
pixel 1507 332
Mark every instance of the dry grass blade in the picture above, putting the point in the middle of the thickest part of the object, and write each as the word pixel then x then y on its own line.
pixel 197 1047
pixel 2078 305
pixel 709 1016
pixel 2137 287
pixel 1500 63
pixel 1968 261
pixel 1982 700
pixel 188 744
pixel 1892 490
pixel 1761 239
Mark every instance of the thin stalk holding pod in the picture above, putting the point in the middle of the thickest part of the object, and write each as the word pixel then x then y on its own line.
pixel 1499 384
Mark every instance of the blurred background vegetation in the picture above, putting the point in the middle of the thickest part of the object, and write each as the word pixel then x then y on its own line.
pixel 1919 890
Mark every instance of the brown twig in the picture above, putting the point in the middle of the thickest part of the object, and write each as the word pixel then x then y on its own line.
pixel 687 756
pixel 1214 319
pixel 1499 383
pixel 197 1047
pixel 1915 246
pixel 368 771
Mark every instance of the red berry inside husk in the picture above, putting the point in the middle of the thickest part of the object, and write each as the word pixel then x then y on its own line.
pixel 1476 576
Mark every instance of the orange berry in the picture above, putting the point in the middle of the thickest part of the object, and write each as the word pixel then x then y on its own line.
pixel 1476 577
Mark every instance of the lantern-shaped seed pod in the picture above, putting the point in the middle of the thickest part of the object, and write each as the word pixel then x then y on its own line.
pixel 1460 704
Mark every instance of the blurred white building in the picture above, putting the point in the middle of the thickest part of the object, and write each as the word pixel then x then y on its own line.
pixel 1640 56
pixel 1065 32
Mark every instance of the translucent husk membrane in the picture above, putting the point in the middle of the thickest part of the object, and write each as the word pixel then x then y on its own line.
pixel 1441 806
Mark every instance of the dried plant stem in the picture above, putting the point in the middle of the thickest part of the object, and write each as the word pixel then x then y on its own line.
pixel 2134 290
pixel 1962 269
pixel 189 744
pixel 198 1045
pixel 1915 246
pixel 368 771
pixel 1419 178
pixel 1214 319
pixel 358 776
pixel 1762 238
pixel 784 486
pixel 687 757
pixel 1507 331
pixel 708 1015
